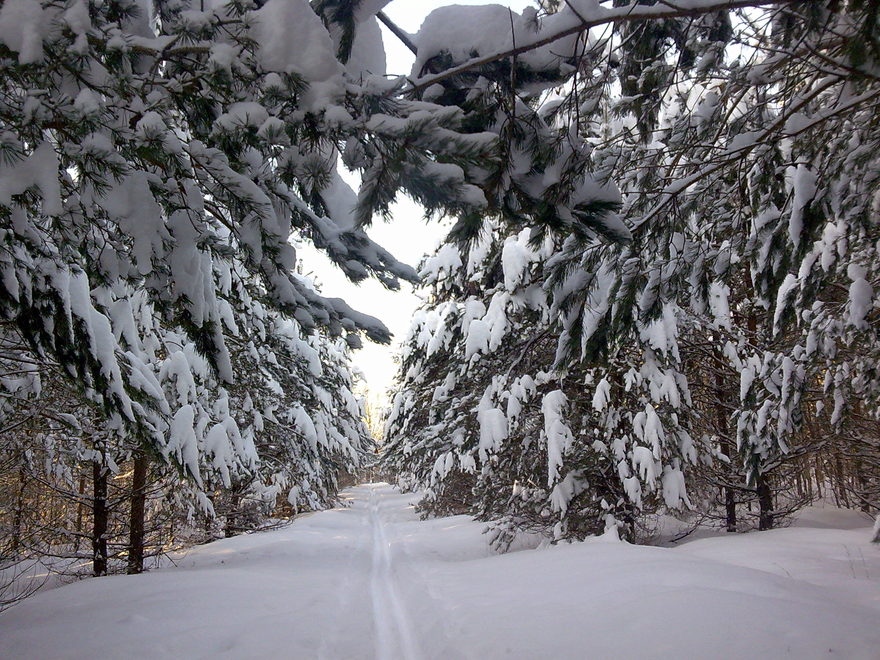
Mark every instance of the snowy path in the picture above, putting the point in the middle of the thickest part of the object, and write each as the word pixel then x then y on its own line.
pixel 371 581
pixel 394 633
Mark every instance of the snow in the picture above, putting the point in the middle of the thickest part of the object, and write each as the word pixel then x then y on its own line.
pixel 674 489
pixel 515 259
pixel 719 305
pixel 861 296
pixel 368 50
pixel 467 32
pixel 39 169
pixel 478 333
pixel 370 580
pixel 77 17
pixel 293 39
pixel 463 31
pixel 597 301
pixel 784 296
pixel 369 8
pixel 556 432
pixel 601 396
pixel 130 202
pixel 182 442
pixel 493 431
pixel 22 28
pixel 804 185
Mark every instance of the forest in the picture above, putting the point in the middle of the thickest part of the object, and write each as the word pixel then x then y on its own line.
pixel 656 308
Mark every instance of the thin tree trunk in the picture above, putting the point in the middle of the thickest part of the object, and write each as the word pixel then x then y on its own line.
pixel 765 503
pixel 806 477
pixel 230 525
pixel 99 519
pixel 80 510
pixel 138 508
pixel 726 445
pixel 862 485
pixel 840 481
pixel 18 522
pixel 761 485
pixel 730 509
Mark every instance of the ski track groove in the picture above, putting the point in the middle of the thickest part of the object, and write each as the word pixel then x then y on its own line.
pixel 344 592
pixel 395 639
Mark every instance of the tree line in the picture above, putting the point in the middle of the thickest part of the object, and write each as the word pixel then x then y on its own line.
pixel 701 338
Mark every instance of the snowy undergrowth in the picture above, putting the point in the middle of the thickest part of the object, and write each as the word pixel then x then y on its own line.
pixel 370 580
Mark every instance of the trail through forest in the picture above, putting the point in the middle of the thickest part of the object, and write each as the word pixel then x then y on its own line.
pixel 371 580
pixel 394 634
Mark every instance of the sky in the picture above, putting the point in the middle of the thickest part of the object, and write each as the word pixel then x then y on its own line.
pixel 407 236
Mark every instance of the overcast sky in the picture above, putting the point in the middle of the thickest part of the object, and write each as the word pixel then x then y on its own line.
pixel 408 236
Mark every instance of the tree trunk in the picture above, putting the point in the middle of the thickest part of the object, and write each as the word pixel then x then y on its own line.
pixel 765 503
pixel 862 484
pixel 80 510
pixel 99 519
pixel 18 522
pixel 730 509
pixel 138 508
pixel 840 482
pixel 726 445
pixel 231 522
pixel 807 477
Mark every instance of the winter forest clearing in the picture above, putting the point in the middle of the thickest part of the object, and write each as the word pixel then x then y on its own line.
pixel 636 410
pixel 369 580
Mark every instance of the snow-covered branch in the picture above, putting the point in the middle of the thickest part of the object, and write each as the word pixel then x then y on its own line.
pixel 586 15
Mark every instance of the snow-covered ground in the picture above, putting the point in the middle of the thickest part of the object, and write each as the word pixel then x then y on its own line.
pixel 372 581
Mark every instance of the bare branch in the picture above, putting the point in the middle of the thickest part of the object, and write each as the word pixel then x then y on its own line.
pixel 397 32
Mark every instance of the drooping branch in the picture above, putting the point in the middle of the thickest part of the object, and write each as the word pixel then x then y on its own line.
pixel 775 127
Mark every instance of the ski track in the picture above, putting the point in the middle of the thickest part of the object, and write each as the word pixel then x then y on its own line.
pixel 395 639
pixel 345 592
